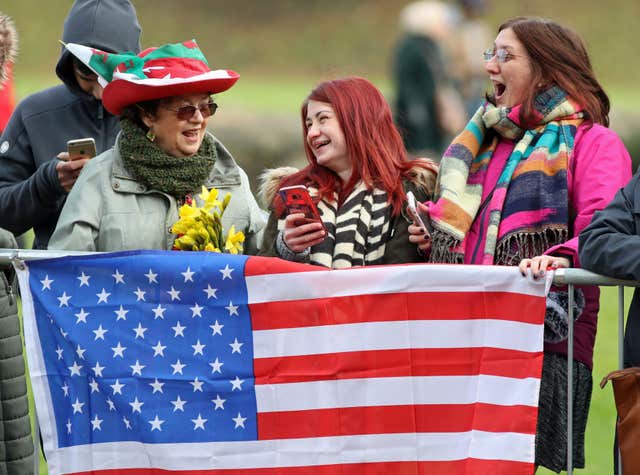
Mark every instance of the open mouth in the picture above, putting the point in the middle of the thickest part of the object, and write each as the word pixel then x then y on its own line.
pixel 499 89
pixel 191 134
pixel 319 145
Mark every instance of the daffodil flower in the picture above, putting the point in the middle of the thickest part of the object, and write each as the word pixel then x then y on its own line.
pixel 234 241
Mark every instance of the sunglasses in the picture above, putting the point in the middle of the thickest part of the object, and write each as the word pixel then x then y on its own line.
pixel 186 112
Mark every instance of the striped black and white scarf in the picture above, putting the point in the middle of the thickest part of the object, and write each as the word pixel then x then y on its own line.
pixel 357 231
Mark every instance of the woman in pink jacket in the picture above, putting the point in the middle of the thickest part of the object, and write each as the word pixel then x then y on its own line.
pixel 518 185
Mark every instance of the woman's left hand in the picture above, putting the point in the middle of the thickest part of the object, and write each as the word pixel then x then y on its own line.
pixel 540 264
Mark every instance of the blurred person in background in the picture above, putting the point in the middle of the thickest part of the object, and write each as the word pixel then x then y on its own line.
pixel 536 161
pixel 129 196
pixel 428 108
pixel 467 64
pixel 8 49
pixel 358 174
pixel 35 171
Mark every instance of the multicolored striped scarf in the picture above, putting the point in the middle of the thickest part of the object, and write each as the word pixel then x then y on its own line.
pixel 528 210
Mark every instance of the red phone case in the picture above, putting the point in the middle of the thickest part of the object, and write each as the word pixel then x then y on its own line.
pixel 297 200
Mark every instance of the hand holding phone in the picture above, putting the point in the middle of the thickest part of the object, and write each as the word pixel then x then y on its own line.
pixel 81 148
pixel 419 217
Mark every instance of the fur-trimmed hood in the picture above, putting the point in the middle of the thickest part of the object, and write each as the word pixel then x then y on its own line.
pixel 270 179
pixel 8 45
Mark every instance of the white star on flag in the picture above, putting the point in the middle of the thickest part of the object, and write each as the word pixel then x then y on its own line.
pixel 233 309
pixel 174 294
pixel 119 277
pixel 156 424
pixel 77 406
pixel 126 423
pixel 84 279
pixel 82 316
pixel 158 312
pixel 158 349
pixel 239 420
pixel 139 294
pixel 177 367
pixel 64 300
pixel 117 387
pixel 178 329
pixel 217 328
pixel 97 369
pixel 235 346
pixel 197 348
pixel 197 384
pixel 46 283
pixel 157 386
pixel 118 350
pixel 99 333
pixel 196 311
pixel 94 386
pixel 121 313
pixel 95 422
pixel 136 406
pixel 80 351
pixel 219 402
pixel 210 291
pixel 178 404
pixel 199 422
pixel 137 368
pixel 65 389
pixel 236 384
pixel 59 352
pixel 151 276
pixel 103 296
pixel 139 331
pixel 216 366
pixel 226 272
pixel 75 369
pixel 188 275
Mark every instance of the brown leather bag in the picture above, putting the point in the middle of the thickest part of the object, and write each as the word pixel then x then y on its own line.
pixel 626 392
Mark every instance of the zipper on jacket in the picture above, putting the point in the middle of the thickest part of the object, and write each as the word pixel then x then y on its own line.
pixel 11 296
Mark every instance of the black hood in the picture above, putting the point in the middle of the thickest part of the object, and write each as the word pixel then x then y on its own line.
pixel 109 25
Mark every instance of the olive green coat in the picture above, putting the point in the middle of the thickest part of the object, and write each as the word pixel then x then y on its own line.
pixel 109 210
pixel 16 443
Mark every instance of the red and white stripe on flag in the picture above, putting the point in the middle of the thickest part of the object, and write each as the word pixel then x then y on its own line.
pixel 408 369
pixel 398 369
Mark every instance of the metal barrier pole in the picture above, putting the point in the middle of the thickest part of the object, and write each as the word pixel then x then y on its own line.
pixel 570 384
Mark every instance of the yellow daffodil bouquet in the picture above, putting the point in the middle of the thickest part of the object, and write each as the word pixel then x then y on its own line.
pixel 200 227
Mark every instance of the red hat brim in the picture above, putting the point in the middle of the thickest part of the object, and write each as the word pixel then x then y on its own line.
pixel 121 93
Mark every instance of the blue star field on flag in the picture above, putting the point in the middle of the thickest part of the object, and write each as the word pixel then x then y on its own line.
pixel 139 352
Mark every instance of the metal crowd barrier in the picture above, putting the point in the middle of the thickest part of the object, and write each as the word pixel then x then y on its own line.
pixel 569 277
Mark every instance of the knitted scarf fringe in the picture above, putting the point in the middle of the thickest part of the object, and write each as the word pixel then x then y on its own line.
pixel 443 248
pixel 512 248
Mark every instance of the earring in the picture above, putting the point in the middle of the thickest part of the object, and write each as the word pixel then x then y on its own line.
pixel 151 135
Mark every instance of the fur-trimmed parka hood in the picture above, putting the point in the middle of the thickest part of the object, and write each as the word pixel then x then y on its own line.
pixel 270 179
pixel 8 45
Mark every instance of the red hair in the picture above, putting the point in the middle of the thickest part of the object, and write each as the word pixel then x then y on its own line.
pixel 373 143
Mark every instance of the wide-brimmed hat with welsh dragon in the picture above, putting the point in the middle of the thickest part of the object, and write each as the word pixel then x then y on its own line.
pixel 169 70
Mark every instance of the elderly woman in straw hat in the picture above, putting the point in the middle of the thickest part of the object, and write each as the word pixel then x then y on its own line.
pixel 129 196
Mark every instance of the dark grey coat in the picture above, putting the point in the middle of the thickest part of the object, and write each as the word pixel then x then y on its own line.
pixel 610 245
pixel 30 192
pixel 16 443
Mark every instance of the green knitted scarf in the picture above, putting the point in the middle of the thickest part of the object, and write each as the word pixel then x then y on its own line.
pixel 176 176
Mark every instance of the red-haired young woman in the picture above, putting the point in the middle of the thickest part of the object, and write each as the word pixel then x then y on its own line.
pixel 358 175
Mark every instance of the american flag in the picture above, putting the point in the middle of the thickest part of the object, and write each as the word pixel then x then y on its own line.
pixel 184 362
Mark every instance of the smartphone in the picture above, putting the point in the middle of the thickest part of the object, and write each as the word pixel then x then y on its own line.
pixel 419 217
pixel 297 199
pixel 81 148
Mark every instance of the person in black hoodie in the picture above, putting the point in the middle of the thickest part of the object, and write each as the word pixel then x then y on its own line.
pixel 35 171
